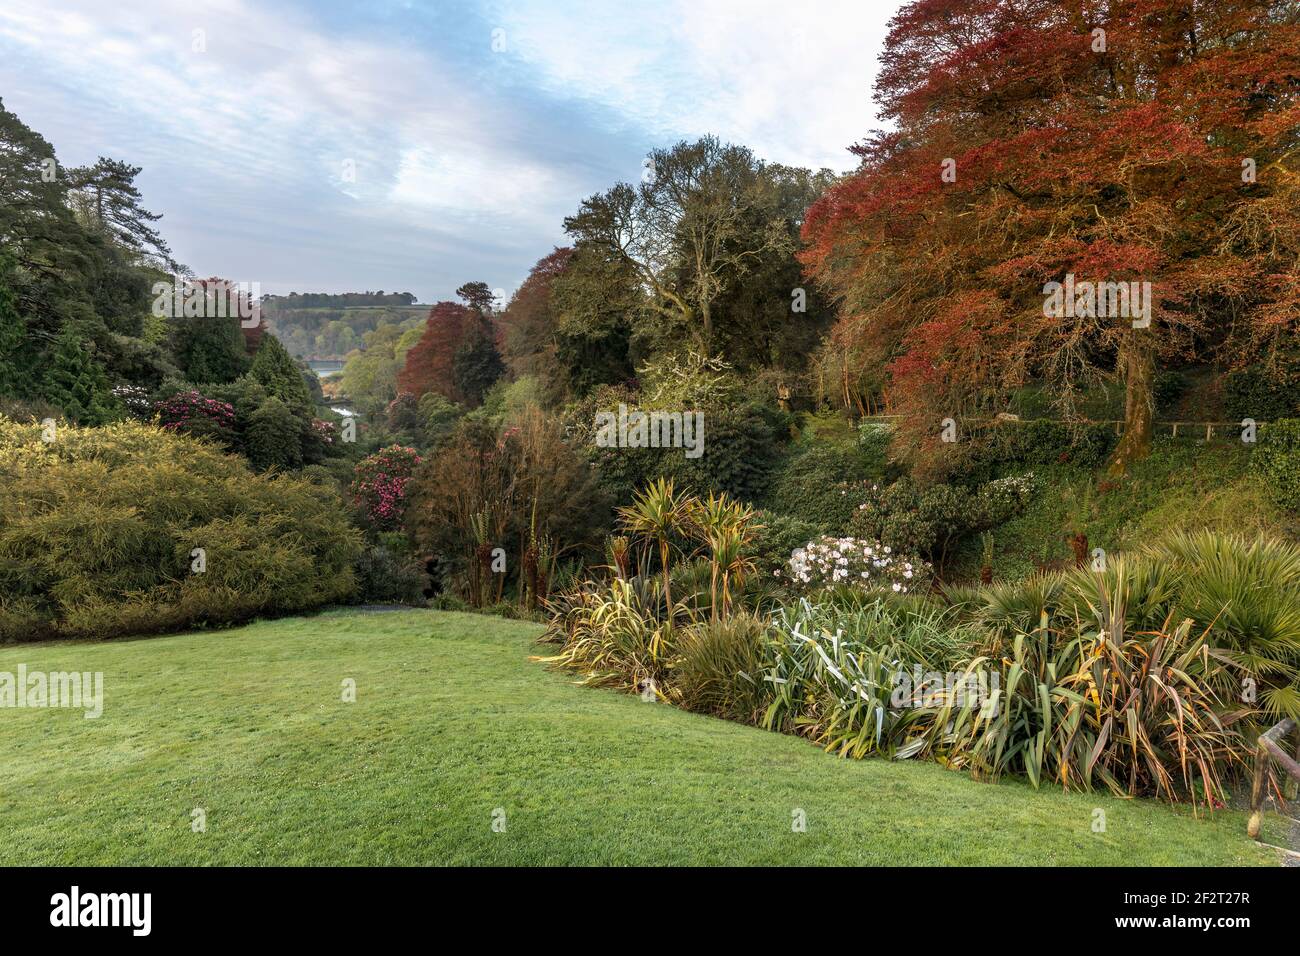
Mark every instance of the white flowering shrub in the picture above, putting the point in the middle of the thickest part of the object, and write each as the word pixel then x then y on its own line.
pixel 858 562
pixel 1004 498
pixel 136 399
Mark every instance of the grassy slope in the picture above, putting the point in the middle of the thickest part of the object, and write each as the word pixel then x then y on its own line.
pixel 1185 485
pixel 452 721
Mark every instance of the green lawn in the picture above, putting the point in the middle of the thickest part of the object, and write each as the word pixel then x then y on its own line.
pixel 452 721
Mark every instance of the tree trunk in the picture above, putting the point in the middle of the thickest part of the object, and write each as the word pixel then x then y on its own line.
pixel 1258 792
pixel 1079 545
pixel 1138 356
pixel 530 577
pixel 713 593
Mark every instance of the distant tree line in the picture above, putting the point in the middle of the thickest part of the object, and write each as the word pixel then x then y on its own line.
pixel 343 300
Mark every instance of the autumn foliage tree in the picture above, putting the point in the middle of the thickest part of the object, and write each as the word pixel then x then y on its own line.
pixel 457 356
pixel 1152 141
pixel 529 321
pixel 429 363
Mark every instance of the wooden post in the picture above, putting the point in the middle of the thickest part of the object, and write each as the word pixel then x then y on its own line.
pixel 1175 430
pixel 1292 788
pixel 1209 430
pixel 1257 792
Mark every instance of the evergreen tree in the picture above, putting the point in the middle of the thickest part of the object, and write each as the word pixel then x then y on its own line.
pixel 209 349
pixel 15 364
pixel 274 437
pixel 76 383
pixel 476 364
pixel 477 296
pixel 106 198
pixel 274 368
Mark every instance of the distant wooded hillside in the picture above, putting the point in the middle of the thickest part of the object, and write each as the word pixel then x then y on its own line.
pixel 318 326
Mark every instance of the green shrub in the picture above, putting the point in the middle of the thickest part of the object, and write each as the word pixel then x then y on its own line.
pixel 720 670
pixel 100 528
pixel 739 447
pixel 777 537
pixel 437 418
pixel 927 521
pixel 1043 442
pixel 1255 392
pixel 274 437
pixel 1277 460
pixel 821 483
pixel 621 472
pixel 389 573
pixel 873 441
pixel 449 602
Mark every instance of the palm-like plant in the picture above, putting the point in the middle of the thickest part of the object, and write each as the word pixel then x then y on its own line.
pixel 725 526
pixel 611 635
pixel 1247 592
pixel 658 514
pixel 1089 704
pixel 616 548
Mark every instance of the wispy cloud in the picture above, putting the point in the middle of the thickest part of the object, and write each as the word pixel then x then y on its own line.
pixel 791 80
pixel 324 147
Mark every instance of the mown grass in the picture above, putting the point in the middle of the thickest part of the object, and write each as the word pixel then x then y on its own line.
pixel 453 721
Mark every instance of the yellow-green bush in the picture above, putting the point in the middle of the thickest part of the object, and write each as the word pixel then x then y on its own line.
pixel 100 525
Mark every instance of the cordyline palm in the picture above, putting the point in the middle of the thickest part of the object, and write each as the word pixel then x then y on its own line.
pixel 658 513
pixel 725 526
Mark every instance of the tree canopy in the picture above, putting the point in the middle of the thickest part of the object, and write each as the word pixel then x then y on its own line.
pixel 1155 144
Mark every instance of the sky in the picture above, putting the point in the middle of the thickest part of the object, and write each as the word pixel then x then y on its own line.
pixel 414 146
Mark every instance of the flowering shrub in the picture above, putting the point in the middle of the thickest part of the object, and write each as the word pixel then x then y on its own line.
pixel 323 430
pixel 1003 498
pixel 191 413
pixel 379 485
pixel 857 562
pixel 135 399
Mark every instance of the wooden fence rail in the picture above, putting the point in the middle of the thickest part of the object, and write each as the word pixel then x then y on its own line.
pixel 1190 428
pixel 1270 748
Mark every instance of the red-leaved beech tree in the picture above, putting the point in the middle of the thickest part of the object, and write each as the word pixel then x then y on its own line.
pixel 1078 143
pixel 529 321
pixel 430 362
